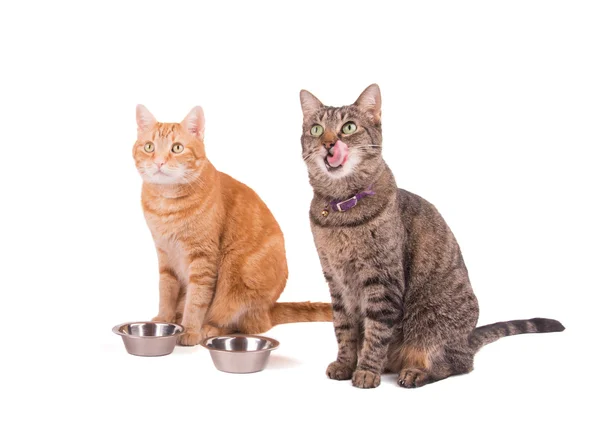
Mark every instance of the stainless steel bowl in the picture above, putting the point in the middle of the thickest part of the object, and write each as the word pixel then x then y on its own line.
pixel 240 353
pixel 149 338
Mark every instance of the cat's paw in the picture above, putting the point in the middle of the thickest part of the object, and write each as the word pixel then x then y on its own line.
pixel 366 379
pixel 209 331
pixel 164 318
pixel 412 378
pixel 190 339
pixel 339 371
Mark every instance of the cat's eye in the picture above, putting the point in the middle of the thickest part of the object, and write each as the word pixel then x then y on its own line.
pixel 177 148
pixel 316 130
pixel 349 128
pixel 149 147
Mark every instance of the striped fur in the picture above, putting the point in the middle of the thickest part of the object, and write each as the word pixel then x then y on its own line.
pixel 401 296
pixel 489 333
pixel 282 313
pixel 221 253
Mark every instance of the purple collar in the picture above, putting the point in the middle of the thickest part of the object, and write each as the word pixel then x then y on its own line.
pixel 349 203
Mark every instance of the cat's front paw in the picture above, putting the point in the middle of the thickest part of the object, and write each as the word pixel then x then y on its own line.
pixel 339 371
pixel 366 379
pixel 190 339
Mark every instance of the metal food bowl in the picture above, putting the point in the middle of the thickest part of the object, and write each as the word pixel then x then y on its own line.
pixel 240 353
pixel 149 338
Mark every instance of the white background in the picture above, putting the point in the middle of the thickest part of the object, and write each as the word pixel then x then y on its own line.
pixel 490 111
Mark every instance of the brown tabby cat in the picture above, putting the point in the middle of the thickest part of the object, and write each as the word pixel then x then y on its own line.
pixel 221 253
pixel 402 301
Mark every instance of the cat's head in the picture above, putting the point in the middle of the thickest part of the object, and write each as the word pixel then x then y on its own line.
pixel 169 153
pixel 342 146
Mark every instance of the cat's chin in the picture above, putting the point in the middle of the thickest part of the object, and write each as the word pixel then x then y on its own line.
pixel 337 172
pixel 330 168
pixel 161 179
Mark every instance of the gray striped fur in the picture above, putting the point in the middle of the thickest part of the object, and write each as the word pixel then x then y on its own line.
pixel 401 295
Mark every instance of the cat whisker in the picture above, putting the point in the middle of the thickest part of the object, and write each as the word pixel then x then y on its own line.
pixel 309 156
pixel 188 179
pixel 365 146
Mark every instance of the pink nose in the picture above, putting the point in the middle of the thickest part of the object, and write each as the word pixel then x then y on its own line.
pixel 159 164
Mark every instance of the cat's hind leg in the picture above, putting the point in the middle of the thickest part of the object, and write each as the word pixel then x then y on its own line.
pixel 246 289
pixel 420 366
pixel 231 313
pixel 238 309
pixel 415 366
pixel 255 320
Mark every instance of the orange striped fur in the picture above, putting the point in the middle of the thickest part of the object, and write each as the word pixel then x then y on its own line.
pixel 221 252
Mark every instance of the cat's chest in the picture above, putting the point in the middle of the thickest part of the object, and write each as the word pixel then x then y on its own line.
pixel 350 253
pixel 164 221
pixel 177 220
pixel 163 227
pixel 174 256
pixel 171 236
pixel 346 250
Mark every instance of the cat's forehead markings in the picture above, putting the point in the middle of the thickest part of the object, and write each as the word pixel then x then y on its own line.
pixel 167 129
pixel 334 114
pixel 327 114
pixel 164 130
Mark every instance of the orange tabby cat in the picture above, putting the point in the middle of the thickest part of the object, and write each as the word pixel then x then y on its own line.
pixel 221 253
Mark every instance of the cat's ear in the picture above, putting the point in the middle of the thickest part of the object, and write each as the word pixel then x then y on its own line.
pixel 145 119
pixel 370 101
pixel 310 104
pixel 194 122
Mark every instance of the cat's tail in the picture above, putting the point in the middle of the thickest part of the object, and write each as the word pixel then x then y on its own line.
pixel 489 333
pixel 282 313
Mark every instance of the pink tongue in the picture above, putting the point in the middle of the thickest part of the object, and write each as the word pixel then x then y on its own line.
pixel 340 154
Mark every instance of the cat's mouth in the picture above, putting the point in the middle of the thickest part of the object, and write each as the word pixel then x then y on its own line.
pixel 160 172
pixel 329 167
pixel 160 176
pixel 336 156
